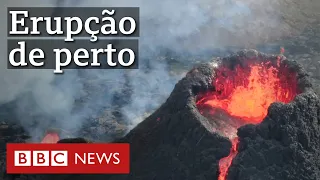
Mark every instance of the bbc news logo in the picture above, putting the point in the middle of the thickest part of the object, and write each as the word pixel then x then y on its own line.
pixel 68 158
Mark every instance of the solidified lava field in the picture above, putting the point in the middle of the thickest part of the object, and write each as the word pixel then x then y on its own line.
pixel 242 93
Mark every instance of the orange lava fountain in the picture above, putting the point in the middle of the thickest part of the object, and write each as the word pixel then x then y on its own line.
pixel 245 94
pixel 51 138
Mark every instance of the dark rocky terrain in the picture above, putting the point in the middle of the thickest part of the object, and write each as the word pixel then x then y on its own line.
pixel 284 146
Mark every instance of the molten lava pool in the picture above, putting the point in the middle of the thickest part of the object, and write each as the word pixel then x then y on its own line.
pixel 244 94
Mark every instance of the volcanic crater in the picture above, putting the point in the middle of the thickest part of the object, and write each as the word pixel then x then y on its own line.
pixel 243 88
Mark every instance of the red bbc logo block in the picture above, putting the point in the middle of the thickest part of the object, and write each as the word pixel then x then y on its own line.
pixel 68 158
pixel 40 158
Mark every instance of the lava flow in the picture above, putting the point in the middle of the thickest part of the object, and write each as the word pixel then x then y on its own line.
pixel 245 95
pixel 225 163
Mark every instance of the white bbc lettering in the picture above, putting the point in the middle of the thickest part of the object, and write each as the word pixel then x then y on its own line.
pixel 40 158
pixel 59 158
pixel 22 158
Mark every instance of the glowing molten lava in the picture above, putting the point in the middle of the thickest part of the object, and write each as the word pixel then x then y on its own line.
pixel 225 163
pixel 51 137
pixel 245 93
pixel 251 97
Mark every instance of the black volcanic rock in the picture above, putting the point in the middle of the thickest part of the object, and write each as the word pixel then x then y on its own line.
pixel 176 141
pixel 74 140
pixel 284 146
